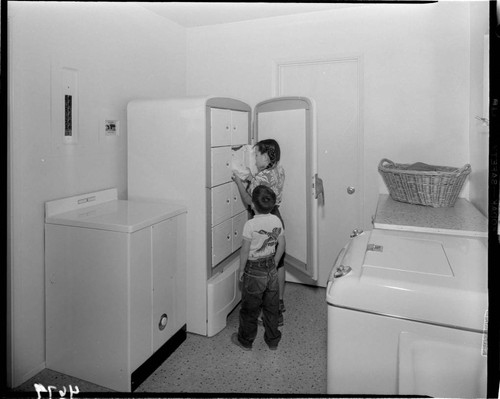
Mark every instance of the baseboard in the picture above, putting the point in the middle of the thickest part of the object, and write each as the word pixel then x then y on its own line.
pixel 150 365
pixel 19 381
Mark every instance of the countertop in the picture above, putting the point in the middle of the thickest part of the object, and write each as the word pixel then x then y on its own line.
pixel 462 219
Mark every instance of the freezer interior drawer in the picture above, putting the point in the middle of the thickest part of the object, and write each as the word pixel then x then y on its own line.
pixel 221 165
pixel 227 237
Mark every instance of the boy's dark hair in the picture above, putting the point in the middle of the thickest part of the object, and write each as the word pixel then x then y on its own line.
pixel 263 199
pixel 272 149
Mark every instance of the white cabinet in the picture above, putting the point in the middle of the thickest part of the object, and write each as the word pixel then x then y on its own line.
pixel 238 223
pixel 228 127
pixel 168 279
pixel 115 288
pixel 226 237
pixel 226 202
pixel 221 203
pixel 228 211
pixel 228 218
pixel 221 165
pixel 222 241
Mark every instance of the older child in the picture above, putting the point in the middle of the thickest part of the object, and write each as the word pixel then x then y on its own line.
pixel 271 174
pixel 258 259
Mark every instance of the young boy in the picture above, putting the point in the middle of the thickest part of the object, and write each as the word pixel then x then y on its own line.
pixel 258 273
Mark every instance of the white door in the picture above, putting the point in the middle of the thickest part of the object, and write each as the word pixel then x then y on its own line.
pixel 239 126
pixel 291 122
pixel 221 165
pixel 335 87
pixel 220 124
pixel 237 203
pixel 238 224
pixel 222 241
pixel 166 320
pixel 221 203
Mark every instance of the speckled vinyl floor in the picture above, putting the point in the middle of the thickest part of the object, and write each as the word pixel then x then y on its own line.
pixel 215 365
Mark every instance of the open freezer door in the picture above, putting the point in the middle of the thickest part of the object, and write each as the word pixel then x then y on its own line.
pixel 291 121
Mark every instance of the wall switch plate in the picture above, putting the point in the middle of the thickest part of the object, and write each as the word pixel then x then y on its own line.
pixel 111 127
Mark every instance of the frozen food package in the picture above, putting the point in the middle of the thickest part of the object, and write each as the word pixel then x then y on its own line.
pixel 243 160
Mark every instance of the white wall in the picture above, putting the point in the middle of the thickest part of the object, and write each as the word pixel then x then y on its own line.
pixel 121 52
pixel 479 98
pixel 419 81
pixel 416 74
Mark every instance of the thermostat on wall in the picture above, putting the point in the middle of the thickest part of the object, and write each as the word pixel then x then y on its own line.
pixel 70 99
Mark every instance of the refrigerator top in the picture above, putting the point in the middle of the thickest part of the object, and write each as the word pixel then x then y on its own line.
pixel 432 278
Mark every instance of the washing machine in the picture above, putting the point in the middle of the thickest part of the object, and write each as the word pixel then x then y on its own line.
pixel 115 287
pixel 407 315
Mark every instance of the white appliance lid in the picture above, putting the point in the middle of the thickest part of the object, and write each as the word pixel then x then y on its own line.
pixel 434 278
pixel 118 215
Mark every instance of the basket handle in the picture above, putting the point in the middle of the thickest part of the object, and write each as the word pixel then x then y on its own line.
pixel 385 160
pixel 465 168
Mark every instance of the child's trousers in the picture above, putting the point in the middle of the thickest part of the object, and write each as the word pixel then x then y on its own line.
pixel 260 290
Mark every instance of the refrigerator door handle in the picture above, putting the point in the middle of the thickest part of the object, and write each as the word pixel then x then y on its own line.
pixel 318 189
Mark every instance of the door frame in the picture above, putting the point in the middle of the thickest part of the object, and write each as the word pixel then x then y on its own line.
pixel 281 64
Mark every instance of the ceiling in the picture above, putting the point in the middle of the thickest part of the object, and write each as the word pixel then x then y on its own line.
pixel 193 14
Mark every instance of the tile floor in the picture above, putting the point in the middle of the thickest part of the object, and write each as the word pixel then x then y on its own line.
pixel 215 365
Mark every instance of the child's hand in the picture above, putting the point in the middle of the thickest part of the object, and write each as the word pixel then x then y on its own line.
pixel 241 277
pixel 235 177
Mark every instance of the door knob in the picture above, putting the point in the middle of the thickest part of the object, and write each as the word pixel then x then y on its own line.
pixel 351 190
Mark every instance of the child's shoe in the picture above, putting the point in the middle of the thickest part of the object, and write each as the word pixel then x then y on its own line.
pixel 273 348
pixel 236 341
pixel 282 306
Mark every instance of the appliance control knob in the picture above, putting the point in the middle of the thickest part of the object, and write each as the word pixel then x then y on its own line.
pixel 163 321
pixel 342 271
pixel 356 232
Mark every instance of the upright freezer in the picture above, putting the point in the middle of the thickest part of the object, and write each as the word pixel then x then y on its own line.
pixel 115 273
pixel 181 150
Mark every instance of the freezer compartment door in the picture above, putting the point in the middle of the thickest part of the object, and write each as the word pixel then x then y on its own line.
pixel 223 294
pixel 221 203
pixel 291 121
pixel 221 165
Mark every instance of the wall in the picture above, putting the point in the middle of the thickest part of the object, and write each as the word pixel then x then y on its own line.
pixel 121 52
pixel 421 88
pixel 479 98
pixel 416 74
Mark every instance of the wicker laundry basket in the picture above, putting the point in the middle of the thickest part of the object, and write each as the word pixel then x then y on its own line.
pixel 423 184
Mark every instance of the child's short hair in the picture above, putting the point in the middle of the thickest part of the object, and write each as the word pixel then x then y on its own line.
pixel 263 199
